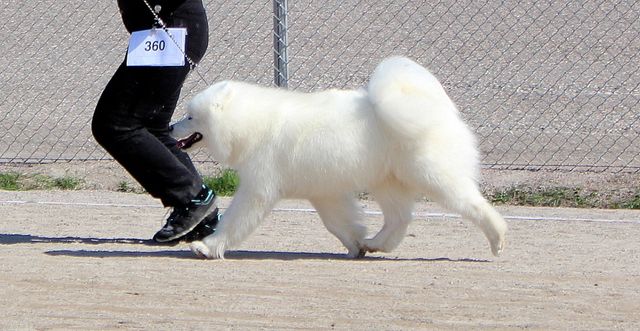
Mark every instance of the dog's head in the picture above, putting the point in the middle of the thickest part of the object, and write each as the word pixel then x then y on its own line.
pixel 201 125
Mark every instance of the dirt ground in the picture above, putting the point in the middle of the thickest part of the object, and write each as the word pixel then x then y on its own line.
pixel 81 260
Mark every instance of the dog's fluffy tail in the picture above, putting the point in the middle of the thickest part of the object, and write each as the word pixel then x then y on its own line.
pixel 408 98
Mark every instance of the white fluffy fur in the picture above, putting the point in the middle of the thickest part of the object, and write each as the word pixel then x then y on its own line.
pixel 400 137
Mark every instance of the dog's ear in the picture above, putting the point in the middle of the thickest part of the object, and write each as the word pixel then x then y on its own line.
pixel 222 94
pixel 214 98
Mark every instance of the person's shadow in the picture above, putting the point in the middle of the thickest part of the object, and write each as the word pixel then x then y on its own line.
pixel 182 252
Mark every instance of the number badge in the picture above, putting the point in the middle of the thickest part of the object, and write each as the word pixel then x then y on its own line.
pixel 155 47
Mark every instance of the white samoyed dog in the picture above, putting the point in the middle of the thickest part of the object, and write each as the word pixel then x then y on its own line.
pixel 398 138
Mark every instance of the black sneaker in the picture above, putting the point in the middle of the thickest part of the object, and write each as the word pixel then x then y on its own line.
pixel 205 228
pixel 186 218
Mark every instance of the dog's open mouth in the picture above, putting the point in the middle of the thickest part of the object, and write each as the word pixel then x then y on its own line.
pixel 189 141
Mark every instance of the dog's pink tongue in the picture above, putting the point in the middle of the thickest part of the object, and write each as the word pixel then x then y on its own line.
pixel 189 141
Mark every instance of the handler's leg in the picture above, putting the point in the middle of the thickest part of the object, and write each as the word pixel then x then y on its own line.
pixel 127 104
pixel 131 122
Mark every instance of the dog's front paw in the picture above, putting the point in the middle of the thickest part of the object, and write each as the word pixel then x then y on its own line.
pixel 200 249
pixel 204 251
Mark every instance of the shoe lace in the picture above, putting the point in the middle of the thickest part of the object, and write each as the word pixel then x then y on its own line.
pixel 204 197
pixel 176 212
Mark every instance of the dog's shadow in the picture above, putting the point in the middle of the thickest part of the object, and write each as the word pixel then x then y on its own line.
pixel 12 239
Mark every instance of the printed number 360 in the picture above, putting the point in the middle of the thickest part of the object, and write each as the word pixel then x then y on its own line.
pixel 154 46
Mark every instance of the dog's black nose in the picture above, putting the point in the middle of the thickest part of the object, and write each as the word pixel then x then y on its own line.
pixel 170 128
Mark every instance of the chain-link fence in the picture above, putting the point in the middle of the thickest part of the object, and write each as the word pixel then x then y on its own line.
pixel 544 84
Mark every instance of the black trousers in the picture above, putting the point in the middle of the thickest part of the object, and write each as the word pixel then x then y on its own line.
pixel 132 117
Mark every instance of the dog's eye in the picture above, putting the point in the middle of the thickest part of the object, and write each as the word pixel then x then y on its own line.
pixel 189 117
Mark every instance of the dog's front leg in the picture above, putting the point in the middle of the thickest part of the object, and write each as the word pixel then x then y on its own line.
pixel 247 209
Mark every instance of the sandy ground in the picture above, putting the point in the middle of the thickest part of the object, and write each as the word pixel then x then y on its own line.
pixel 81 260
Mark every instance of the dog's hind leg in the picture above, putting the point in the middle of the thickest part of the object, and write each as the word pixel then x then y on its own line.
pixel 397 207
pixel 341 216
pixel 247 209
pixel 464 197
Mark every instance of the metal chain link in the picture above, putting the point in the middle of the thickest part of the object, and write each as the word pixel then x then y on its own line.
pixel 160 23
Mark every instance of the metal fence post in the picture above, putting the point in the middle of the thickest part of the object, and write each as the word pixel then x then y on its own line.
pixel 280 43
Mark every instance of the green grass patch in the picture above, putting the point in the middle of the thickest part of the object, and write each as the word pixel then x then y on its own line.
pixel 633 203
pixel 9 181
pixel 224 185
pixel 127 187
pixel 12 181
pixel 548 197
pixel 67 183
